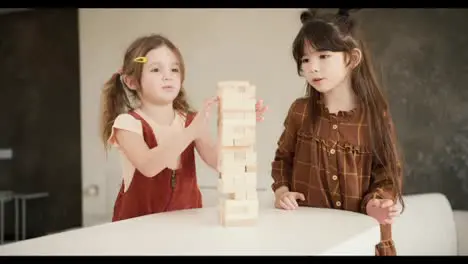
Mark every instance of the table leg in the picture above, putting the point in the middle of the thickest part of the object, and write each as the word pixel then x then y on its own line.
pixel 23 205
pixel 16 219
pixel 2 222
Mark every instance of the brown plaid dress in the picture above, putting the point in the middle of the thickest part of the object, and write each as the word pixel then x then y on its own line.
pixel 332 166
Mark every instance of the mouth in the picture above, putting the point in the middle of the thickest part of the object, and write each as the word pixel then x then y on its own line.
pixel 168 87
pixel 317 80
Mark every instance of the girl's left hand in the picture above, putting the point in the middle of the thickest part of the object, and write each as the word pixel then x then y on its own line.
pixel 260 110
pixel 383 210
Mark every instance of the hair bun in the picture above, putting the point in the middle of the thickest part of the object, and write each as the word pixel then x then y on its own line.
pixel 308 15
pixel 344 12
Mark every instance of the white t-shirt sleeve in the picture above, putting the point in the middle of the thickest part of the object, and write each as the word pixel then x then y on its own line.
pixel 125 122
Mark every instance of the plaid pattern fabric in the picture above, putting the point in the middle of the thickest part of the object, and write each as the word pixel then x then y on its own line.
pixel 332 165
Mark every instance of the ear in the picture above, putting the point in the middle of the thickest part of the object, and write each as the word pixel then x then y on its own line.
pixel 129 82
pixel 356 57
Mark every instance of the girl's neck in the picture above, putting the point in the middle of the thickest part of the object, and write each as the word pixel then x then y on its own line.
pixel 161 114
pixel 341 97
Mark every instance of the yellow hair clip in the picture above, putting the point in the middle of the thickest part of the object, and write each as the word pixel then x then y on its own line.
pixel 141 60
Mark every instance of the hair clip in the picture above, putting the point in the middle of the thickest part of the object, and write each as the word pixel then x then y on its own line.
pixel 141 60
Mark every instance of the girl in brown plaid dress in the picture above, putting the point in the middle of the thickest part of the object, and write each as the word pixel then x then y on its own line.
pixel 338 148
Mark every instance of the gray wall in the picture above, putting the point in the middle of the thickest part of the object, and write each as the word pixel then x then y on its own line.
pixel 423 57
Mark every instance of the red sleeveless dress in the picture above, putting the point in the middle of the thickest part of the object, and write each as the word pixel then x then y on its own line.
pixel 167 191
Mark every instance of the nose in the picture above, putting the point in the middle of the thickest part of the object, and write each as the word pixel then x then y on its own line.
pixel 312 66
pixel 167 75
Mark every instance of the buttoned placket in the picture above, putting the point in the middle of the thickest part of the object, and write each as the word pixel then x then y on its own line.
pixel 333 180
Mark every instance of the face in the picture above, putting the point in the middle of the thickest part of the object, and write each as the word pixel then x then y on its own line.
pixel 324 70
pixel 161 76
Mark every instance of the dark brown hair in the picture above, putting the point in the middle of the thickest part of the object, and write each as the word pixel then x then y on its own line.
pixel 338 33
pixel 117 97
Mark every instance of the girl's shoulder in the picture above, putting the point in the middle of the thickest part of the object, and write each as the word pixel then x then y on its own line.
pixel 126 122
pixel 299 108
pixel 300 104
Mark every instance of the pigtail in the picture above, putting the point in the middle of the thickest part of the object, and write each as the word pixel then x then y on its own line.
pixel 181 103
pixel 114 101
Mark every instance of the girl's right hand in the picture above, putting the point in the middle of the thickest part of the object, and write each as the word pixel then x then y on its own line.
pixel 200 122
pixel 287 200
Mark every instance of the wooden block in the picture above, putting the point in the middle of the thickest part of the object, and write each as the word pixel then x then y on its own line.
pixel 227 140
pixel 234 156
pixel 233 102
pixel 231 115
pixel 240 209
pixel 244 141
pixel 231 167
pixel 250 92
pixel 251 168
pixel 238 213
pixel 252 194
pixel 248 104
pixel 244 193
pixel 225 157
pixel 250 118
pixel 240 193
pixel 226 184
pixel 239 179
pixel 230 84
pixel 238 131
pixel 244 88
pixel 250 180
pixel 236 122
pixel 240 156
pixel 236 106
pixel 250 157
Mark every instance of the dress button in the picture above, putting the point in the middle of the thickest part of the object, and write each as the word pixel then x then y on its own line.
pixel 338 203
pixel 334 177
pixel 335 126
pixel 332 151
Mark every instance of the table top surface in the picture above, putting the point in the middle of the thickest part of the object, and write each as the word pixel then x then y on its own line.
pixel 305 231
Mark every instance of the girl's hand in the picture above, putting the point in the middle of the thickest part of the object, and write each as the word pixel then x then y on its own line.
pixel 287 200
pixel 260 110
pixel 383 210
pixel 200 122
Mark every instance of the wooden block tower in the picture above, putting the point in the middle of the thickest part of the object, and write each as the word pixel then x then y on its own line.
pixel 237 154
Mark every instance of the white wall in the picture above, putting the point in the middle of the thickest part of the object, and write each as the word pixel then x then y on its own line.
pixel 217 44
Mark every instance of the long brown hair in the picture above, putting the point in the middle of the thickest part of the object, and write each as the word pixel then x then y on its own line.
pixel 117 98
pixel 338 33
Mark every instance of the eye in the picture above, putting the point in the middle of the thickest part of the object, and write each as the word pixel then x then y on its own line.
pixel 155 70
pixel 324 56
pixel 175 70
pixel 304 60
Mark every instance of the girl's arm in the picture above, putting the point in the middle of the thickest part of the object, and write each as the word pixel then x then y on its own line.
pixel 281 170
pixel 208 150
pixel 152 161
pixel 381 183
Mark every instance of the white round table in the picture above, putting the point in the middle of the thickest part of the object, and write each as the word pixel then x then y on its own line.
pixel 305 231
